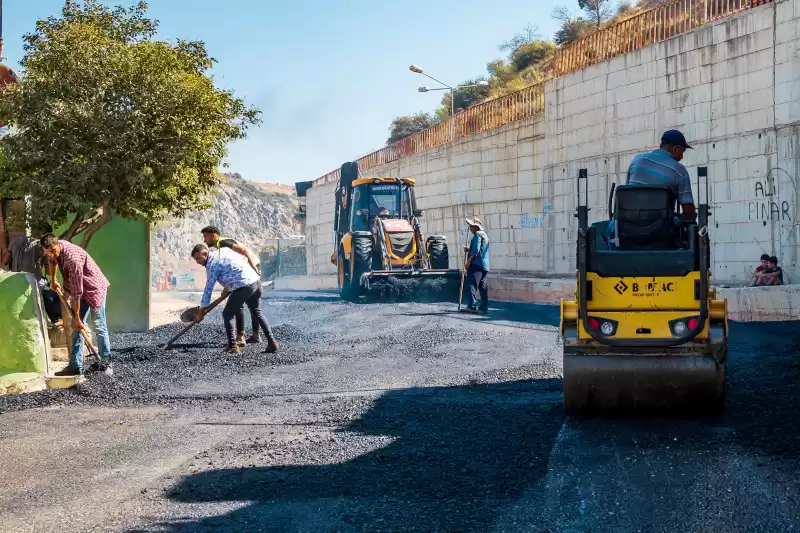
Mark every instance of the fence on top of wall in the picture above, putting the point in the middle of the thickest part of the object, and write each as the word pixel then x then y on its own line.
pixel 639 31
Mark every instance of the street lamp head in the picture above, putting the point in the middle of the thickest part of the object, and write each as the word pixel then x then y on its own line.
pixel 415 68
pixel 424 89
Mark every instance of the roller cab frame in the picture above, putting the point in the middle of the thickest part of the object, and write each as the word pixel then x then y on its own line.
pixel 645 330
pixel 378 235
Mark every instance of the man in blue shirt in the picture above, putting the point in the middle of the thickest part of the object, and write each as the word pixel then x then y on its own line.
pixel 477 267
pixel 663 167
pixel 244 286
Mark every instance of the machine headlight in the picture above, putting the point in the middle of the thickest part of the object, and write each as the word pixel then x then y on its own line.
pixel 607 328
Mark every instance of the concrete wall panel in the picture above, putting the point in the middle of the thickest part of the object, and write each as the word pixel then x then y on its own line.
pixel 733 87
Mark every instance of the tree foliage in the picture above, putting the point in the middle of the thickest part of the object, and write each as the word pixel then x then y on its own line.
pixel 528 35
pixel 529 58
pixel 572 27
pixel 404 126
pixel 597 11
pixel 108 119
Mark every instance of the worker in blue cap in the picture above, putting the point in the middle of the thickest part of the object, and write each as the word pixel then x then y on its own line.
pixel 663 166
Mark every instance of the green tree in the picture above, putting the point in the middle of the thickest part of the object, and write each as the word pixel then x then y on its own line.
pixel 536 54
pixel 572 27
pixel 107 119
pixel 528 35
pixel 404 126
pixel 597 11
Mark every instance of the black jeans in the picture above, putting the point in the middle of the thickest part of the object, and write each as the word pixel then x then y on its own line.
pixel 234 312
pixel 477 283
pixel 52 305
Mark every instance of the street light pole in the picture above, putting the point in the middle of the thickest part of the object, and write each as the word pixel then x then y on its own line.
pixel 418 70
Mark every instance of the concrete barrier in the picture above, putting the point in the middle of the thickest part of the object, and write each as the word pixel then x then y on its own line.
pixel 23 339
pixel 762 304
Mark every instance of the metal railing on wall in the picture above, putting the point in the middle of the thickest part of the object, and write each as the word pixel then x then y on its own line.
pixel 639 31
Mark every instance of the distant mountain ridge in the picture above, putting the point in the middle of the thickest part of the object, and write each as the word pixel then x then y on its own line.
pixel 251 212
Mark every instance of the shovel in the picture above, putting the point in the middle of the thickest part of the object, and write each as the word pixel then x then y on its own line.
pixel 86 339
pixel 189 316
pixel 463 273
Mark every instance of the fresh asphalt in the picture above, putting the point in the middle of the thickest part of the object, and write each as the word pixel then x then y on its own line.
pixel 398 417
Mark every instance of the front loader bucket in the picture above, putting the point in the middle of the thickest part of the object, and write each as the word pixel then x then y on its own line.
pixel 377 274
pixel 412 285
pixel 618 382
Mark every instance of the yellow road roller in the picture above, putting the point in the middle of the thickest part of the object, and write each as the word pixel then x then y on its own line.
pixel 644 331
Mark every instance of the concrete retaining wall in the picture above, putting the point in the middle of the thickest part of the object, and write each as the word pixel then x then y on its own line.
pixel 23 341
pixel 733 87
pixel 762 304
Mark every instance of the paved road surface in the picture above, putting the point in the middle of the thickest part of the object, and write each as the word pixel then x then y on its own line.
pixel 394 418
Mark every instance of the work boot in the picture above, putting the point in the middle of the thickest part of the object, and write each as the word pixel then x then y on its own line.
pixel 233 349
pixel 240 340
pixel 68 372
pixel 469 309
pixel 255 338
pixel 272 346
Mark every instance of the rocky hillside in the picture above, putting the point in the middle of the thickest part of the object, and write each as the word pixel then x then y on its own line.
pixel 250 212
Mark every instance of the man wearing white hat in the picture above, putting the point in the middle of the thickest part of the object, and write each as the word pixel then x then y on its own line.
pixel 477 267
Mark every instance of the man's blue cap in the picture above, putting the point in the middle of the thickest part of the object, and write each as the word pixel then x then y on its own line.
pixel 675 138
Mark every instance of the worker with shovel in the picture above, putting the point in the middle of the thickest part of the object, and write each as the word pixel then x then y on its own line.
pixel 213 239
pixel 244 286
pixel 477 267
pixel 88 287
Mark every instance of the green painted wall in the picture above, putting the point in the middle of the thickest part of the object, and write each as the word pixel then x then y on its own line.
pixel 22 346
pixel 122 251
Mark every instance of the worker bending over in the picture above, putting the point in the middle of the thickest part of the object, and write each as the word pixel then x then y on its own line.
pixel 212 238
pixel 244 286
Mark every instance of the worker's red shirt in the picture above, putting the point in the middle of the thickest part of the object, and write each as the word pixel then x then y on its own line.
pixel 83 279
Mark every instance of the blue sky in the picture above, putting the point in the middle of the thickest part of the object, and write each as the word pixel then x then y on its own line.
pixel 329 75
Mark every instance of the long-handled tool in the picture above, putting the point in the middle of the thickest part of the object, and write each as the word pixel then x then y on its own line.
pixel 463 271
pixel 84 334
pixel 188 316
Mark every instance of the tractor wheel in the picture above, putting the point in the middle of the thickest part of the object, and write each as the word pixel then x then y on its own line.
pixel 440 256
pixel 361 258
pixel 343 277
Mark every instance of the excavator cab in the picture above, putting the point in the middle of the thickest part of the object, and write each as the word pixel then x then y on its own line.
pixel 645 330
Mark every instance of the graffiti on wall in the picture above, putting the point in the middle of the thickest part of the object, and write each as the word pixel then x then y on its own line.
pixel 528 221
pixel 766 205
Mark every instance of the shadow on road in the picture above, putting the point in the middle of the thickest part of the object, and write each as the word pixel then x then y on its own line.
pixel 541 314
pixel 503 457
pixel 456 454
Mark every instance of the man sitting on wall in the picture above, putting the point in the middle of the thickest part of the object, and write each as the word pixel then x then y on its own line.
pixel 762 267
pixel 772 275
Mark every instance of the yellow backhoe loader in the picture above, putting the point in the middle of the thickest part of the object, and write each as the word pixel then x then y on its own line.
pixel 377 234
